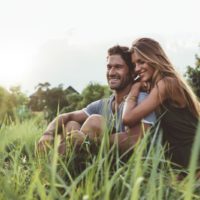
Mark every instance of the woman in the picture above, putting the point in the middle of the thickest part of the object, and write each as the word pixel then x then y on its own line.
pixel 169 95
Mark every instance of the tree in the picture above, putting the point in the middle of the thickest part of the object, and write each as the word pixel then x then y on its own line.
pixel 48 99
pixel 20 102
pixel 93 92
pixel 13 104
pixel 73 100
pixel 55 97
pixel 193 76
pixel 43 86
pixel 6 105
pixel 19 98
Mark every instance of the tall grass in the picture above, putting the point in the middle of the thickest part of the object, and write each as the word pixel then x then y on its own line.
pixel 88 173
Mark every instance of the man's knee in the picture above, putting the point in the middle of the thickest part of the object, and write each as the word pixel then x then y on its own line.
pixel 69 127
pixel 95 121
pixel 72 125
pixel 93 125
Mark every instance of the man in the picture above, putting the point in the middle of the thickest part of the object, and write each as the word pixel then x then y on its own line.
pixel 89 121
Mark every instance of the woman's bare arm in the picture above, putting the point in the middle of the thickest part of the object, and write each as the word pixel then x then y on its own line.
pixel 132 113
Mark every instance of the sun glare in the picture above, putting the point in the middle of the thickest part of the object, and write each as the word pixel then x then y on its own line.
pixel 14 69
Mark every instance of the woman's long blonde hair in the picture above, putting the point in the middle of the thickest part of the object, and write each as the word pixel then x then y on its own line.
pixel 151 51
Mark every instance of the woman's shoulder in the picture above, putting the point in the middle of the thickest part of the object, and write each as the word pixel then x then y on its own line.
pixel 174 92
pixel 169 79
pixel 167 83
pixel 165 87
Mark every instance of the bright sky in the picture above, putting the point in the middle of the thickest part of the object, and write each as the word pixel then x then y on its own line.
pixel 66 41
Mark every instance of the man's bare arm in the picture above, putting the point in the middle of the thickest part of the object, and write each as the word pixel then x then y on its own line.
pixel 60 122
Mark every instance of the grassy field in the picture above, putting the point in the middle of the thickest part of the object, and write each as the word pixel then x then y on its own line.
pixel 103 174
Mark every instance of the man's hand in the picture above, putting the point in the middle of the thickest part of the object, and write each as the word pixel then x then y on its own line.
pixel 44 141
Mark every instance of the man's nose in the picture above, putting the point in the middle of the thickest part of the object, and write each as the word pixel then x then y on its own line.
pixel 112 71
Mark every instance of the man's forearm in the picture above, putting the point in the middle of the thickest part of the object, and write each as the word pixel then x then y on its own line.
pixel 57 125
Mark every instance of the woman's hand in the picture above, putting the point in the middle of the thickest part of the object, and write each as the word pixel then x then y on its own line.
pixel 135 89
pixel 141 86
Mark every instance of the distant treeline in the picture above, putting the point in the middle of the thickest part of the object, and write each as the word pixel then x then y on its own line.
pixel 59 99
pixel 15 105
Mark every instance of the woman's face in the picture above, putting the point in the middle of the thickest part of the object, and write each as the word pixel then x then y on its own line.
pixel 142 68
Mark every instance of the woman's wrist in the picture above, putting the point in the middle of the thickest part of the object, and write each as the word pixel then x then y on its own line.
pixel 131 98
pixel 135 90
pixel 140 86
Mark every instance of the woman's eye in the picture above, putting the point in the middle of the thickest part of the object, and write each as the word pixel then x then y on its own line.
pixel 141 62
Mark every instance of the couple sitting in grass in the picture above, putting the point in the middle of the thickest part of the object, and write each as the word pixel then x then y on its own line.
pixel 132 109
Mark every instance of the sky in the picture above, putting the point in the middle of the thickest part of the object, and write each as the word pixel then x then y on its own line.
pixel 66 42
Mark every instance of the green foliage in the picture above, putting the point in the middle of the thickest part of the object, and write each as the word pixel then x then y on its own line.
pixel 18 97
pixel 193 76
pixel 73 99
pixel 38 99
pixel 20 102
pixel 6 104
pixel 13 104
pixel 47 99
pixel 93 92
pixel 25 174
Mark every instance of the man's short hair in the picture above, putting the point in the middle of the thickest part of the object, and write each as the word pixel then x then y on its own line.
pixel 124 52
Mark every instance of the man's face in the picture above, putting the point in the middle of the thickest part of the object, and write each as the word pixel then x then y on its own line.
pixel 118 74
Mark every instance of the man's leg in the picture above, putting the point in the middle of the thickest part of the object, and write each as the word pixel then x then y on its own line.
pixel 70 127
pixel 94 127
pixel 133 135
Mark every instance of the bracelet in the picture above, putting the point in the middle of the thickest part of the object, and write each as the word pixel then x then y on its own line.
pixel 132 98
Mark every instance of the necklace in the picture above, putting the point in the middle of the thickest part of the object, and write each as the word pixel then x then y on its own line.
pixel 115 106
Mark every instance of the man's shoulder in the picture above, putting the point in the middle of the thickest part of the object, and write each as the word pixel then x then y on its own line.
pixel 103 100
pixel 98 106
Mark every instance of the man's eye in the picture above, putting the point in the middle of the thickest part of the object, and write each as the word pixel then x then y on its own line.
pixel 118 66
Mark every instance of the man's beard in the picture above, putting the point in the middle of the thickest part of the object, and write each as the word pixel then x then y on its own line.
pixel 125 82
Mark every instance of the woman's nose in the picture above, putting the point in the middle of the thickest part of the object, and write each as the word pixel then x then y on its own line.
pixel 137 67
